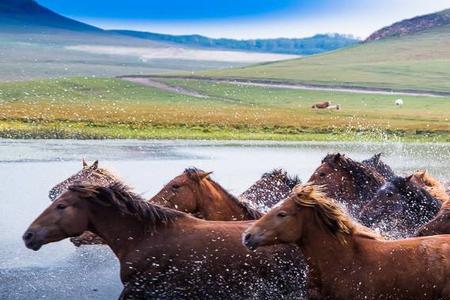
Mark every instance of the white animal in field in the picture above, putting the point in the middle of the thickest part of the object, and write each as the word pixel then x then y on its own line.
pixel 336 107
pixel 398 102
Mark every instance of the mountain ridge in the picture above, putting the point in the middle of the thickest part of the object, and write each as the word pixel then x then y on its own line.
pixel 301 46
pixel 411 26
pixel 26 15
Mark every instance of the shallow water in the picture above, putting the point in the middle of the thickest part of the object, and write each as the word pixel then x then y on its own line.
pixel 29 168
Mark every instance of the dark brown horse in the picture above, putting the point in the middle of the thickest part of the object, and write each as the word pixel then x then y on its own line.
pixel 399 207
pixel 350 182
pixel 164 253
pixel 440 224
pixel 194 192
pixel 273 187
pixel 382 168
pixel 345 260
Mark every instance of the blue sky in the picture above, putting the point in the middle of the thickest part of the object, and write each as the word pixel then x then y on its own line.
pixel 245 18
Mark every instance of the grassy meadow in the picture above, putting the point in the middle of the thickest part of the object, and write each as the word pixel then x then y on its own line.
pixel 112 108
pixel 419 62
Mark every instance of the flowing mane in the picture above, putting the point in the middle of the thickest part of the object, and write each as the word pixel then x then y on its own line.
pixel 364 175
pixel 254 214
pixel 283 176
pixel 334 218
pixel 121 197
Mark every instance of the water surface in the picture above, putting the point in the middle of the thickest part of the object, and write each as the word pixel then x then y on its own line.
pixel 28 169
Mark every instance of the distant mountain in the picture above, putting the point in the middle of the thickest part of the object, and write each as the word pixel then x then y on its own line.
pixel 301 46
pixel 411 26
pixel 28 15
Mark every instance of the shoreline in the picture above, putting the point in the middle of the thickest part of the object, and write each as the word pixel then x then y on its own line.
pixel 90 131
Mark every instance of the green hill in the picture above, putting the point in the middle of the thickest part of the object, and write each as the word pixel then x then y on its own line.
pixel 418 61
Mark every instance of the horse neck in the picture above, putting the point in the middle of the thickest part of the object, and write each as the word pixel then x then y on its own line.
pixel 323 250
pixel 214 203
pixel 120 231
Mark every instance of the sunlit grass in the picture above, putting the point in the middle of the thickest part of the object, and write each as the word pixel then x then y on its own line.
pixel 112 108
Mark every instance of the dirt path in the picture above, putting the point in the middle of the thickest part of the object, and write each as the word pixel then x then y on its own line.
pixel 164 87
pixel 292 85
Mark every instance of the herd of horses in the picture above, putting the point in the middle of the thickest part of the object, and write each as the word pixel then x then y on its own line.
pixel 354 230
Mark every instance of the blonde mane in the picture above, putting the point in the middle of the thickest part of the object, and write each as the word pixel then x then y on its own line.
pixel 432 185
pixel 334 218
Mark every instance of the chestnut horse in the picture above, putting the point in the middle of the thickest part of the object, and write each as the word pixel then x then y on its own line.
pixel 382 168
pixel 89 174
pixel 350 182
pixel 164 253
pixel 273 187
pixel 345 260
pixel 399 207
pixel 194 192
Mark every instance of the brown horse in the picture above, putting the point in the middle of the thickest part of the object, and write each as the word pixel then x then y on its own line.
pixel 194 192
pixel 399 207
pixel 273 187
pixel 164 253
pixel 321 105
pixel 431 184
pixel 89 174
pixel 345 260
pixel 350 182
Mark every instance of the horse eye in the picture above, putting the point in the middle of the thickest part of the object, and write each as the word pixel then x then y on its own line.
pixel 176 186
pixel 60 206
pixel 322 174
pixel 282 214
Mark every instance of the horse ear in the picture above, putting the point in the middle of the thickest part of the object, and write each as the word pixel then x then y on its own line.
pixel 85 165
pixel 377 157
pixel 337 156
pixel 204 175
pixel 95 165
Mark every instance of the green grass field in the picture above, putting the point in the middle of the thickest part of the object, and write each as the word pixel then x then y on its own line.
pixel 420 62
pixel 112 108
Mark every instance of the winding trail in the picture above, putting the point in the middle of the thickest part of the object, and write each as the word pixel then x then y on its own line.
pixel 153 81
pixel 148 81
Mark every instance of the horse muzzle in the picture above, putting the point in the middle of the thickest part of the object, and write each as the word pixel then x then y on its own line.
pixel 251 241
pixel 33 240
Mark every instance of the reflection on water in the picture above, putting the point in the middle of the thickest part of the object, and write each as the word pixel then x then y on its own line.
pixel 29 168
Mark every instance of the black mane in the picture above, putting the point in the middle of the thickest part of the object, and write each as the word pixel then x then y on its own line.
pixel 290 181
pixel 121 197
pixel 367 179
pixel 382 168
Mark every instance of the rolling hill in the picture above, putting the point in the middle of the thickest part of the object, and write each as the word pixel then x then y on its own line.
pixel 418 60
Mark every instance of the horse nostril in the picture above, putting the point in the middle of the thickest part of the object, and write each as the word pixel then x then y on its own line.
pixel 247 237
pixel 28 236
